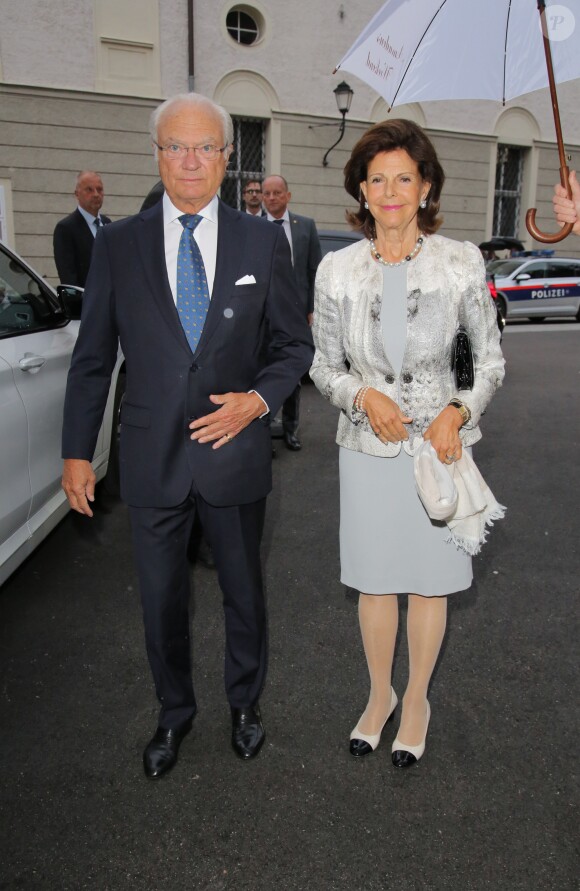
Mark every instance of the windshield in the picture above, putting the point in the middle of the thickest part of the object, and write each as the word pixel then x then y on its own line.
pixel 502 267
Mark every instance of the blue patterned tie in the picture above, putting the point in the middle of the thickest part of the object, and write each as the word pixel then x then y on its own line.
pixel 192 290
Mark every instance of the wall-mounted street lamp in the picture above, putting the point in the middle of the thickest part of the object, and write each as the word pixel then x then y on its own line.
pixel 343 94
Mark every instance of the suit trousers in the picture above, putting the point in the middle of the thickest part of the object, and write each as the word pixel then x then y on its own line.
pixel 160 540
pixel 291 411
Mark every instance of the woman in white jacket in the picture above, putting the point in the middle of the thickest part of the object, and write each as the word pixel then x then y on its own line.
pixel 387 310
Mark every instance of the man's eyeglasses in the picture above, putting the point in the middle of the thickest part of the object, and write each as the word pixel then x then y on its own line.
pixel 174 151
pixel 252 191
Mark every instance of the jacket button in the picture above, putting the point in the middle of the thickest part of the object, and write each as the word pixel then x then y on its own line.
pixel 390 378
pixel 407 377
pixel 194 367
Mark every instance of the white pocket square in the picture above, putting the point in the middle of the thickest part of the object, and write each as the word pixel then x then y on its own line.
pixel 246 280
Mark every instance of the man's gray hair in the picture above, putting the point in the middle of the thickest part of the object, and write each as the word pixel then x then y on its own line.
pixel 195 100
pixel 82 173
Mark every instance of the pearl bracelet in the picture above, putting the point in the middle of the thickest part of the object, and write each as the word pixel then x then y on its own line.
pixel 359 399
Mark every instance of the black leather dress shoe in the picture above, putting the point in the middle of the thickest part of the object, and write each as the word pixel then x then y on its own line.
pixel 292 442
pixel 161 753
pixel 247 731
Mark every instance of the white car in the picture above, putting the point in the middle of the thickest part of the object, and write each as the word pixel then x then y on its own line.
pixel 37 337
pixel 535 287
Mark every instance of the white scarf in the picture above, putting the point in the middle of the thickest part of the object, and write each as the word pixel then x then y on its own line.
pixel 457 494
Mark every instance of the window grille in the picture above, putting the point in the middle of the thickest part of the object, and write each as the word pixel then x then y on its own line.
pixel 242 27
pixel 247 160
pixel 508 190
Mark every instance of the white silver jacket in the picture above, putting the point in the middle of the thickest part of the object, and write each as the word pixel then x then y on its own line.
pixel 446 287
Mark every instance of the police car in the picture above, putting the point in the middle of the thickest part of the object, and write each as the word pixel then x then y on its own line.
pixel 535 287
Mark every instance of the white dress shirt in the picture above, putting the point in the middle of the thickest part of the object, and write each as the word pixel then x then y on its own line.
pixel 205 234
pixel 286 227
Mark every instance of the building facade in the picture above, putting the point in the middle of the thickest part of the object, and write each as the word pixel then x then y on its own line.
pixel 78 81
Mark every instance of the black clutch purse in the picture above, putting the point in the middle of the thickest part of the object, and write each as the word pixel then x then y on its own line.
pixel 462 360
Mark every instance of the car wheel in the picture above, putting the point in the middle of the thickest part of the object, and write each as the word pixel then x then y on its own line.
pixel 111 481
pixel 501 305
pixel 500 323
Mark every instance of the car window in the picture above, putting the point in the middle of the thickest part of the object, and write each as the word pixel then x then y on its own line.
pixel 502 267
pixel 333 244
pixel 563 270
pixel 537 270
pixel 24 304
pixel 336 241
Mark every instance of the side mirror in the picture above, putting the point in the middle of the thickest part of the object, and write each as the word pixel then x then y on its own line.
pixel 523 277
pixel 70 298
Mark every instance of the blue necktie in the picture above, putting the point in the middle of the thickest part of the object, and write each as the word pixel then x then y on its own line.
pixel 192 290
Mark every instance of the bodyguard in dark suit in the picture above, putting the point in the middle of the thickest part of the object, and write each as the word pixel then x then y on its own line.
pixel 74 237
pixel 202 300
pixel 306 255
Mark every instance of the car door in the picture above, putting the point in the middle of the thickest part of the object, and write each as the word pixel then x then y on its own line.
pixel 36 342
pixel 528 292
pixel 15 494
pixel 563 290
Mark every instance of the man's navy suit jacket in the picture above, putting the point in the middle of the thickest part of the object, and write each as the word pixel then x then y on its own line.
pixel 307 255
pixel 73 244
pixel 255 337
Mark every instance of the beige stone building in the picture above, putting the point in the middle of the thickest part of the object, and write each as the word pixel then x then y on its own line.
pixel 78 79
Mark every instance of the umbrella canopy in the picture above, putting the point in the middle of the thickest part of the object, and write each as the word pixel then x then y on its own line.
pixel 457 49
pixel 502 243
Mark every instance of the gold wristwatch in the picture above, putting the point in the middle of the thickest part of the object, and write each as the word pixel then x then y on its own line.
pixel 462 409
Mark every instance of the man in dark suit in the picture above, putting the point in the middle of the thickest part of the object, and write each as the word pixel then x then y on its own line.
pixel 198 550
pixel 74 237
pixel 306 255
pixel 202 300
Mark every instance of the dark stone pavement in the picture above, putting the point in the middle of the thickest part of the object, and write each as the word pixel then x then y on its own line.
pixel 493 804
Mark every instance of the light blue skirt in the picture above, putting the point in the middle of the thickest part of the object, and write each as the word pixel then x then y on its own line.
pixel 388 542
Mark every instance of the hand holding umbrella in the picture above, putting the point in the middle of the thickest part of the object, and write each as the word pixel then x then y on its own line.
pixel 567 210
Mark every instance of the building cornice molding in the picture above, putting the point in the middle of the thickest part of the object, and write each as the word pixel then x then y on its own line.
pixel 75 95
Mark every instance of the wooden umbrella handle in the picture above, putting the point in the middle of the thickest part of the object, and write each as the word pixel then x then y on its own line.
pixel 542 236
pixel 564 171
pixel 555 237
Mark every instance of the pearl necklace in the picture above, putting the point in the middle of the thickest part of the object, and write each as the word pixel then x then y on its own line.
pixel 406 259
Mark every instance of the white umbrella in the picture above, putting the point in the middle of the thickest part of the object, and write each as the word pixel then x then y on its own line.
pixel 423 50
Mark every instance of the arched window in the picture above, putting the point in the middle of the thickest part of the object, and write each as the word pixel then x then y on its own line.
pixel 516 130
pixel 247 160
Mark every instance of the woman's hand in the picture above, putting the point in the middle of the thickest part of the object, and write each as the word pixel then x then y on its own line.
pixel 385 417
pixel 444 435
